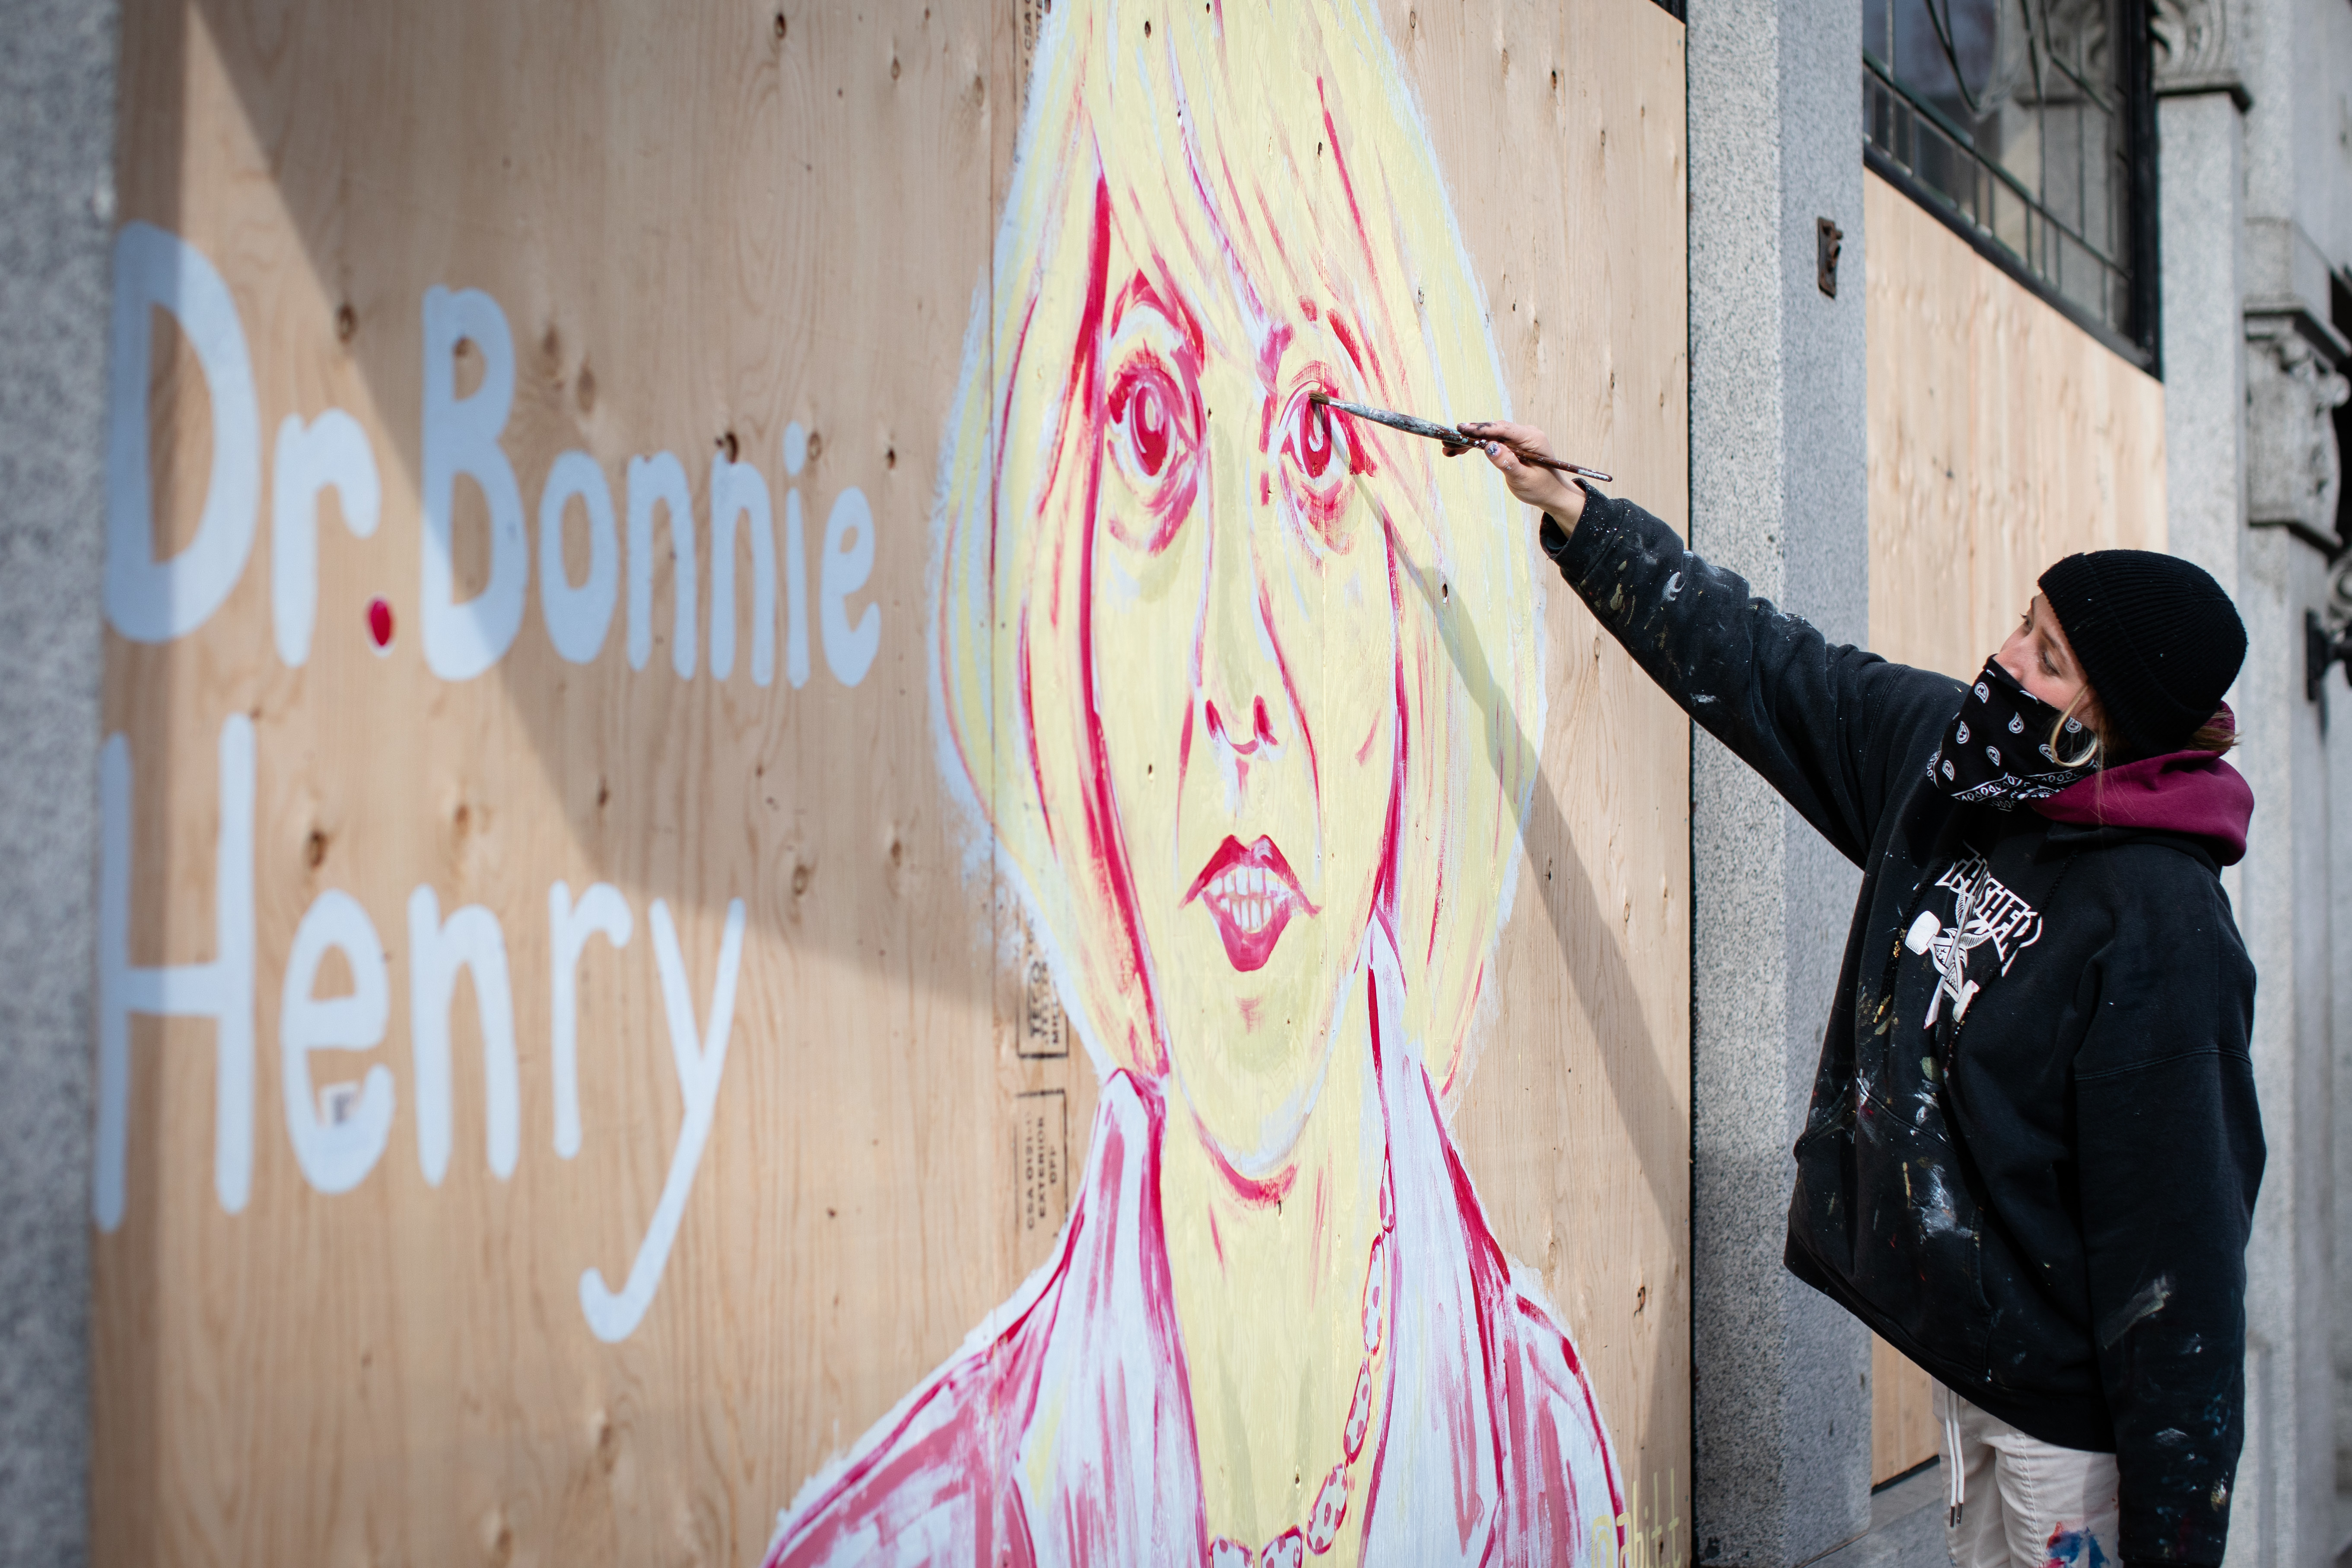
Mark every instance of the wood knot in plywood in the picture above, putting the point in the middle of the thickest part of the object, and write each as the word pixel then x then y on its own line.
pixel 314 849
pixel 347 323
pixel 781 27
pixel 585 391
pixel 799 880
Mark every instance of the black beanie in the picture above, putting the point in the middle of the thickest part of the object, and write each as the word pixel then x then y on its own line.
pixel 2157 638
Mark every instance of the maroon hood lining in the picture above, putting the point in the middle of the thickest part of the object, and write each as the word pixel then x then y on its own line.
pixel 2193 793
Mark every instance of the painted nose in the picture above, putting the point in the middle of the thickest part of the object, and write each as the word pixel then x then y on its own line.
pixel 1256 728
pixel 1240 679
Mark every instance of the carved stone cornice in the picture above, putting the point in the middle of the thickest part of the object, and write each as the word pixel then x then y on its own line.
pixel 2339 594
pixel 2194 52
pixel 2269 315
pixel 2293 470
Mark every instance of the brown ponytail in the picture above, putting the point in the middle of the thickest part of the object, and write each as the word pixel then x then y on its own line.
pixel 2217 734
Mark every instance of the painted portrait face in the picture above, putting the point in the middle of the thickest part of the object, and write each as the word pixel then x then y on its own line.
pixel 1241 688
pixel 1235 557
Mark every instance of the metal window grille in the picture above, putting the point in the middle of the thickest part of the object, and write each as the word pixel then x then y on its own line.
pixel 2028 126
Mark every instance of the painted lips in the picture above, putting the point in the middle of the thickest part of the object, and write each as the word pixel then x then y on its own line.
pixel 1249 892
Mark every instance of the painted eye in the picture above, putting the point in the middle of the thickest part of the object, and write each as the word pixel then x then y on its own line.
pixel 1315 440
pixel 1147 419
pixel 1318 443
pixel 1147 429
pixel 1150 441
pixel 1320 457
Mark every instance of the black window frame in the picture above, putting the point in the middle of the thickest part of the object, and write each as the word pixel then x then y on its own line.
pixel 2142 344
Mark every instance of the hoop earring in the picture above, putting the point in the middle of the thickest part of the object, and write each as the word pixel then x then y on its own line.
pixel 2090 753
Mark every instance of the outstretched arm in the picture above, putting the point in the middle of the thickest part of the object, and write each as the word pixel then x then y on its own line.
pixel 1839 732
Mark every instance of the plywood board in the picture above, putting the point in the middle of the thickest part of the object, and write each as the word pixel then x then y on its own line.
pixel 591 1027
pixel 2003 437
pixel 1903 1431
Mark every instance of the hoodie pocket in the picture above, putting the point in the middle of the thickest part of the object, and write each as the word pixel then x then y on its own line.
pixel 1918 1255
pixel 1820 1208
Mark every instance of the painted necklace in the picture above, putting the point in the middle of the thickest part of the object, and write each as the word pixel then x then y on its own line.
pixel 1289 1548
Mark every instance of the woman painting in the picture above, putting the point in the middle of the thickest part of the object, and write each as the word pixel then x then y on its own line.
pixel 2033 1147
pixel 1192 679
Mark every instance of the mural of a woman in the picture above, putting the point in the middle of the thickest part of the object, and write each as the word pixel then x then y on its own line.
pixel 1192 676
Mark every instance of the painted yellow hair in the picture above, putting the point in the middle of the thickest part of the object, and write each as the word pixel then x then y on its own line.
pixel 1305 103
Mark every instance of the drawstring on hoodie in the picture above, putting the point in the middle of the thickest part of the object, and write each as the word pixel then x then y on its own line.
pixel 1959 1487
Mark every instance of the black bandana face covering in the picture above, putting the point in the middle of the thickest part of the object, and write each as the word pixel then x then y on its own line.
pixel 1997 749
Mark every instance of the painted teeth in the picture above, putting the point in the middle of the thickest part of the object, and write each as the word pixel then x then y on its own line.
pixel 1249 894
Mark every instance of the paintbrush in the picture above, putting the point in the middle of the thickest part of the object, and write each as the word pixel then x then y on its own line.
pixel 1448 433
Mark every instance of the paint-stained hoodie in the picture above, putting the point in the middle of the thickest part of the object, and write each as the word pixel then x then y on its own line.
pixel 2033 1146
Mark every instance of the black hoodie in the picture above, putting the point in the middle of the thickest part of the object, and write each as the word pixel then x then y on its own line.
pixel 2036 1182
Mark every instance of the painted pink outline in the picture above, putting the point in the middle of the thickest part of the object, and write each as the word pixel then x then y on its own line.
pixel 1104 836
pixel 1086 400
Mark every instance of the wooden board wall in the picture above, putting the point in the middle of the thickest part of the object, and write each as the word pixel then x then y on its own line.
pixel 746 231
pixel 2002 436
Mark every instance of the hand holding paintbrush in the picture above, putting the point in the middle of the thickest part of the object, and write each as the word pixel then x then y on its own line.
pixel 1523 456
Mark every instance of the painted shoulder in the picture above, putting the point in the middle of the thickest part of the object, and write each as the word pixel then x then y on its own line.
pixel 1563 1498
pixel 920 1492
pixel 1559 1495
pixel 933 1479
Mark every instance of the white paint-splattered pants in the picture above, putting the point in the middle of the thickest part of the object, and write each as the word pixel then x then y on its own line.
pixel 2025 1503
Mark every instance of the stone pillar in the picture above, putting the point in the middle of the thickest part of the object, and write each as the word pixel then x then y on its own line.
pixel 2338 695
pixel 2201 185
pixel 57 147
pixel 2285 1482
pixel 1779 492
pixel 2253 475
